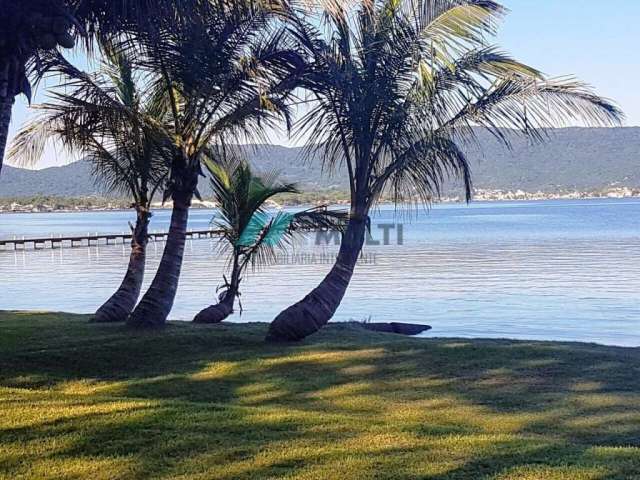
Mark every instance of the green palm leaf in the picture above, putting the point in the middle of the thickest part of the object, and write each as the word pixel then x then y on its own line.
pixel 277 229
pixel 254 230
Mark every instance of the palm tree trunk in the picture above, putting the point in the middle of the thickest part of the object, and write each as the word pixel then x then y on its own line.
pixel 6 105
pixel 156 304
pixel 315 310
pixel 122 303
pixel 219 312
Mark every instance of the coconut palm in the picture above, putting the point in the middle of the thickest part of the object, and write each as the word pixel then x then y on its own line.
pixel 32 29
pixel 398 87
pixel 224 75
pixel 105 119
pixel 28 28
pixel 249 233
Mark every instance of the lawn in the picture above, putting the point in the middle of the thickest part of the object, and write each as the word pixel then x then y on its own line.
pixel 214 402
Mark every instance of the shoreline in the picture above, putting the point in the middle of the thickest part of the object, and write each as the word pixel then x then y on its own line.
pixel 483 196
pixel 428 335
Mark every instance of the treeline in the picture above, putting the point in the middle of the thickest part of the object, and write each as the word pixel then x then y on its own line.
pixel 58 203
pixel 52 203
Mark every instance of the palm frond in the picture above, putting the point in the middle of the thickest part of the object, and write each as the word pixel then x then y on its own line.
pixel 398 87
pixel 252 234
pixel 529 106
pixel 319 218
pixel 279 232
pixel 102 118
pixel 219 72
pixel 451 27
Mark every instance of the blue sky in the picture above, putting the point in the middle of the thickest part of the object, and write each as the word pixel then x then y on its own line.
pixel 595 41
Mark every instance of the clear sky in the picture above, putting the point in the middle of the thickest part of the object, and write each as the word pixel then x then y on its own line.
pixel 596 41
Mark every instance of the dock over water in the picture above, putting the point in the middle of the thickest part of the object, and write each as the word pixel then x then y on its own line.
pixel 89 240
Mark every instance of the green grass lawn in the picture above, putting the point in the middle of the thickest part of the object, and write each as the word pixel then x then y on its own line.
pixel 81 401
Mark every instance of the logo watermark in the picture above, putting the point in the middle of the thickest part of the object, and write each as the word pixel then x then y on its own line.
pixel 324 243
pixel 379 234
pixel 321 258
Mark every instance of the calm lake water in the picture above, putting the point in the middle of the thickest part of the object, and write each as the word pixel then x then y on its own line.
pixel 557 270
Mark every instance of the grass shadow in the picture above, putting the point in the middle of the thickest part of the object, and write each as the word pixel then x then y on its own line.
pixel 191 402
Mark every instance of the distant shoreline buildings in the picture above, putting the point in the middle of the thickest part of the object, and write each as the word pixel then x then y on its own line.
pixel 94 204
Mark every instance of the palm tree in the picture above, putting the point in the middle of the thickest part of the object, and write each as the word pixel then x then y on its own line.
pixel 33 28
pixel 224 75
pixel 398 88
pixel 250 234
pixel 105 119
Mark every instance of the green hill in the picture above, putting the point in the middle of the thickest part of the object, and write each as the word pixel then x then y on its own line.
pixel 571 159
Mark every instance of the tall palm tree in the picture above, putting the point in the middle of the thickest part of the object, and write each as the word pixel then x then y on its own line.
pixel 105 118
pixel 33 28
pixel 27 29
pixel 398 88
pixel 224 75
pixel 250 234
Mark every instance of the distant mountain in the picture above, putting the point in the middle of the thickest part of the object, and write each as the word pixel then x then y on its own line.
pixel 76 179
pixel 70 180
pixel 571 159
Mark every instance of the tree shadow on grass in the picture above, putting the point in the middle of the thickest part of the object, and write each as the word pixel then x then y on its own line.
pixel 215 402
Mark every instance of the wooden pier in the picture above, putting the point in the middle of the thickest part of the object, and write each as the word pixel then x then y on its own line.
pixel 89 240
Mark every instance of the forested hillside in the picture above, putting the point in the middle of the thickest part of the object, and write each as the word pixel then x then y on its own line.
pixel 571 159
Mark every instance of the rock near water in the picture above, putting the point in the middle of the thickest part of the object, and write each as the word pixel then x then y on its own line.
pixel 398 328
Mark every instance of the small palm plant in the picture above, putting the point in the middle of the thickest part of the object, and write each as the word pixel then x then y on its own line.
pixel 252 236
pixel 105 118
